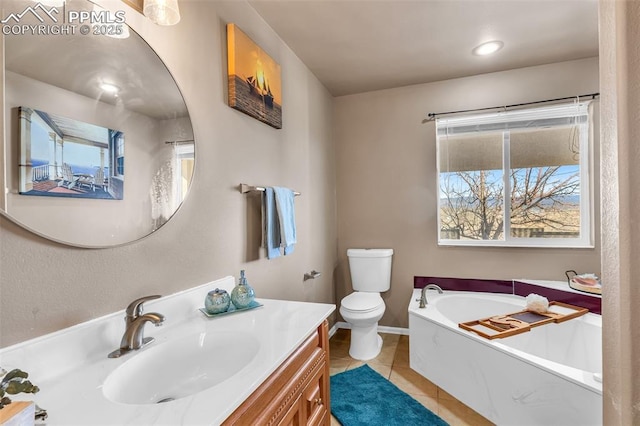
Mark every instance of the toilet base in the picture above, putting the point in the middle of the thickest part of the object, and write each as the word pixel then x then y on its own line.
pixel 366 343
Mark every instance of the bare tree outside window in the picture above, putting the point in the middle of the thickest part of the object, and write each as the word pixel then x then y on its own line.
pixel 544 203
pixel 473 204
pixel 546 200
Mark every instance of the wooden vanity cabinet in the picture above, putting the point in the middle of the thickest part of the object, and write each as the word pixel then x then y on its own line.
pixel 297 393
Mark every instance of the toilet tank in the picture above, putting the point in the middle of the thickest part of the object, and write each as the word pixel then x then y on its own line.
pixel 370 269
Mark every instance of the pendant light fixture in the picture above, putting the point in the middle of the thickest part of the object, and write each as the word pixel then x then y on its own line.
pixel 162 12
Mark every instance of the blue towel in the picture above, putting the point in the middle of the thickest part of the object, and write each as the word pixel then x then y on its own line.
pixel 287 217
pixel 271 224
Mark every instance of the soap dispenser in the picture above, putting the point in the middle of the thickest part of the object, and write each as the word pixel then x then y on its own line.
pixel 242 294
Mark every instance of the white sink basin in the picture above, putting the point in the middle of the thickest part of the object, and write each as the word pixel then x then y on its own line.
pixel 180 367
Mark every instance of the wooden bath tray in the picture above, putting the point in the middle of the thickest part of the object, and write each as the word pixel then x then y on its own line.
pixel 499 326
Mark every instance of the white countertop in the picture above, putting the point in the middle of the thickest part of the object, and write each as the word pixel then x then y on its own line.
pixel 70 366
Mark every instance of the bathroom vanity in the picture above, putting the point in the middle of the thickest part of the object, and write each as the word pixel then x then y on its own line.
pixel 268 365
pixel 297 393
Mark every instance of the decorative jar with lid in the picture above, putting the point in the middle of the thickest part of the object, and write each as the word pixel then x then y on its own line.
pixel 217 301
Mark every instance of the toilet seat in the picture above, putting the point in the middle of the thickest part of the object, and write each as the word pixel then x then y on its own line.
pixel 362 302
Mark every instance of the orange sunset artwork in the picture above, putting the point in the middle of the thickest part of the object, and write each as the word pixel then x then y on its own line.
pixel 255 86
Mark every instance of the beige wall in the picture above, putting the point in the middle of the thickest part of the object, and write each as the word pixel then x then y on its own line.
pixel 619 35
pixel 386 171
pixel 45 286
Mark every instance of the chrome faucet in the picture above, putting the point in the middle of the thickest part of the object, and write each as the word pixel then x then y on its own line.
pixel 133 337
pixel 423 294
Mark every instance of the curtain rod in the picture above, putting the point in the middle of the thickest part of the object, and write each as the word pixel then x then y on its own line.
pixel 433 115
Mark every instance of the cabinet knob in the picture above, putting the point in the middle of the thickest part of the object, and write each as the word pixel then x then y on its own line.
pixel 318 401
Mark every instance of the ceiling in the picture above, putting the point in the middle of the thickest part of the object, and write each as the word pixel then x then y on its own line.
pixel 355 46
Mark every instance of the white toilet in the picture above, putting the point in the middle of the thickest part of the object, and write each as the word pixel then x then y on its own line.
pixel 362 309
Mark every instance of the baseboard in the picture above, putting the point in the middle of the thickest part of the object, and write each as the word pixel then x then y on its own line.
pixel 381 329
pixel 342 324
pixel 393 330
pixel 333 330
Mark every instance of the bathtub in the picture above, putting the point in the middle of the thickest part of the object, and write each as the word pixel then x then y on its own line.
pixel 550 375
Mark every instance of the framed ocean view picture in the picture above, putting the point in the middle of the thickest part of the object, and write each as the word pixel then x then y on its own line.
pixel 63 157
pixel 255 85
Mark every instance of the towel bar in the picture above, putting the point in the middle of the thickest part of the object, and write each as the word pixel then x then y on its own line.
pixel 244 188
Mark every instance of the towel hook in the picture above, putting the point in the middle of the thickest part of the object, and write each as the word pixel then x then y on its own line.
pixel 311 275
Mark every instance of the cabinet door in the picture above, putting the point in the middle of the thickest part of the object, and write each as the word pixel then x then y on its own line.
pixel 294 415
pixel 302 378
pixel 315 399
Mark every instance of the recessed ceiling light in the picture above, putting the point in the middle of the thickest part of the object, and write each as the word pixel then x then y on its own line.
pixel 488 48
pixel 110 88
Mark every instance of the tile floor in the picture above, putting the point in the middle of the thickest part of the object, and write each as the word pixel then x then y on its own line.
pixel 393 363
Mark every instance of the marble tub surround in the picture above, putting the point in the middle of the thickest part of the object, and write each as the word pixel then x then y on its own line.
pixel 558 291
pixel 465 284
pixel 546 376
pixel 71 365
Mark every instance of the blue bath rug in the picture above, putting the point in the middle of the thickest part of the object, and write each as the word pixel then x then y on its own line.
pixel 362 397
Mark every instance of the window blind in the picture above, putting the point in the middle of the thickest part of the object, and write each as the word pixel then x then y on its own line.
pixel 549 116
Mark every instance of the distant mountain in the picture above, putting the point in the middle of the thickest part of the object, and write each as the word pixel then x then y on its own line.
pixel 568 200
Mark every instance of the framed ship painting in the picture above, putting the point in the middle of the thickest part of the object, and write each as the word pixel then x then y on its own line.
pixel 63 157
pixel 255 85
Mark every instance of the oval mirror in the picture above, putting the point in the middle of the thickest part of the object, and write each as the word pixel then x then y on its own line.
pixel 99 147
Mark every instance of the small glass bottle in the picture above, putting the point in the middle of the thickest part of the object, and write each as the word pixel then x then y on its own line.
pixel 242 294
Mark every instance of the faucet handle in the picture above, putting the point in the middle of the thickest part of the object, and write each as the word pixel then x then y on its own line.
pixel 135 308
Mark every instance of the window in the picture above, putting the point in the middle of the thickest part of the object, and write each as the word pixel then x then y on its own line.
pixel 517 178
pixel 118 148
pixel 185 161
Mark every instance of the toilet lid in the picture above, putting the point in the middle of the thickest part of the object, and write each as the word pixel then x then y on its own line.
pixel 362 302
